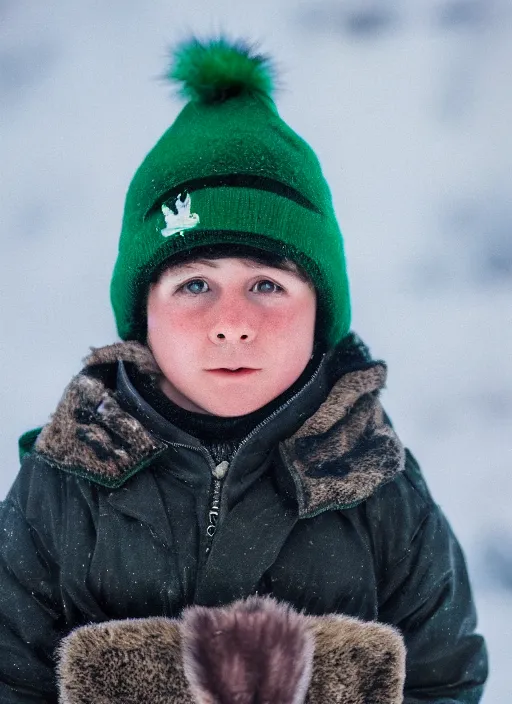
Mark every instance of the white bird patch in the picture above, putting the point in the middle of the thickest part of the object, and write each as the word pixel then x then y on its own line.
pixel 181 220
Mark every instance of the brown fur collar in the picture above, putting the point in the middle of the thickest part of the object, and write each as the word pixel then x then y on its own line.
pixel 89 433
pixel 345 450
pixel 257 650
pixel 338 457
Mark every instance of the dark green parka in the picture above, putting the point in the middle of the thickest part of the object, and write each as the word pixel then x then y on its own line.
pixel 113 511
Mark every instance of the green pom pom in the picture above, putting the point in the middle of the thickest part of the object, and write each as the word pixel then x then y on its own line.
pixel 217 70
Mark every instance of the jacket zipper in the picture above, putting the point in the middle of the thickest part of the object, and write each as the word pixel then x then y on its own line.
pixel 218 473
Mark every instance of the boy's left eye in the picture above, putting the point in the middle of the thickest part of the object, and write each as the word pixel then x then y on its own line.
pixel 273 286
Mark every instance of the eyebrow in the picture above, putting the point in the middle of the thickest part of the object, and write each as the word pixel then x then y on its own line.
pixel 196 262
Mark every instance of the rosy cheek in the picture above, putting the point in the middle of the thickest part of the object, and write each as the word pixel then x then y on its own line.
pixel 285 318
pixel 184 321
pixel 163 316
pixel 277 321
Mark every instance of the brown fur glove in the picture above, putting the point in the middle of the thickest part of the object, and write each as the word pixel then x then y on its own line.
pixel 253 651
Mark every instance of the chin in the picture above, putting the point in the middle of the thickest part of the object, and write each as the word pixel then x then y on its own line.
pixel 232 410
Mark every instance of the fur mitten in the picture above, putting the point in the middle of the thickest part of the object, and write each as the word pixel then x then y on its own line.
pixel 255 651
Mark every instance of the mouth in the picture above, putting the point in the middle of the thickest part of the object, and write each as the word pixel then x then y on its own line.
pixel 240 371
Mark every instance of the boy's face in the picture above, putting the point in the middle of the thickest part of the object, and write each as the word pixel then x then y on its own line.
pixel 208 316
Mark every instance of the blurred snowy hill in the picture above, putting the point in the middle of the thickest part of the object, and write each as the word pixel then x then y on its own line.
pixel 408 106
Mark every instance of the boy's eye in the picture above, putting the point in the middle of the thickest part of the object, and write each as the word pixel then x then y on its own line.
pixel 271 284
pixel 195 282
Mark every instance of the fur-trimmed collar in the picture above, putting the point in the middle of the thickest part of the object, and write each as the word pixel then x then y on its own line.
pixel 90 434
pixel 345 450
pixel 337 458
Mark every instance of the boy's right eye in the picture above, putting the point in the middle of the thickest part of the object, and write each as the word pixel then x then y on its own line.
pixel 194 282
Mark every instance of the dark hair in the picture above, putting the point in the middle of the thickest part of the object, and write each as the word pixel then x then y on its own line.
pixel 239 251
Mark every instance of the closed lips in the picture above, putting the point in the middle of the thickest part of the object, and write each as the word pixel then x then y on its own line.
pixel 233 371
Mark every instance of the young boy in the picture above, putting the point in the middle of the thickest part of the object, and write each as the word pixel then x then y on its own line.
pixel 233 443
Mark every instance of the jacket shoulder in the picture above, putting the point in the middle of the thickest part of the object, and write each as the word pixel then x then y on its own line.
pixel 90 434
pixel 405 498
pixel 398 513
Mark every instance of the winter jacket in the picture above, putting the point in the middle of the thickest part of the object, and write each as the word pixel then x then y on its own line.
pixel 321 507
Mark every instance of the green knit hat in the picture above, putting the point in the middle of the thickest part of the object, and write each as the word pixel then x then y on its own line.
pixel 229 170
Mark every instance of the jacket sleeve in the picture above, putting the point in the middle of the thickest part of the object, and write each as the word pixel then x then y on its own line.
pixel 30 612
pixel 426 593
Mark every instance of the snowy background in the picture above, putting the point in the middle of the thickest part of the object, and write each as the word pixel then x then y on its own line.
pixel 408 106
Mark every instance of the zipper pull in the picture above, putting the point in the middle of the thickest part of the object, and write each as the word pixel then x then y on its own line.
pixel 221 470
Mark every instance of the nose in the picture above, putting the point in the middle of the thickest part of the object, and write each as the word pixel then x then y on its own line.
pixel 232 324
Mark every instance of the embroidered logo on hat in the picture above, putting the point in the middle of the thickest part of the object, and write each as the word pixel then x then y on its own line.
pixel 179 218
